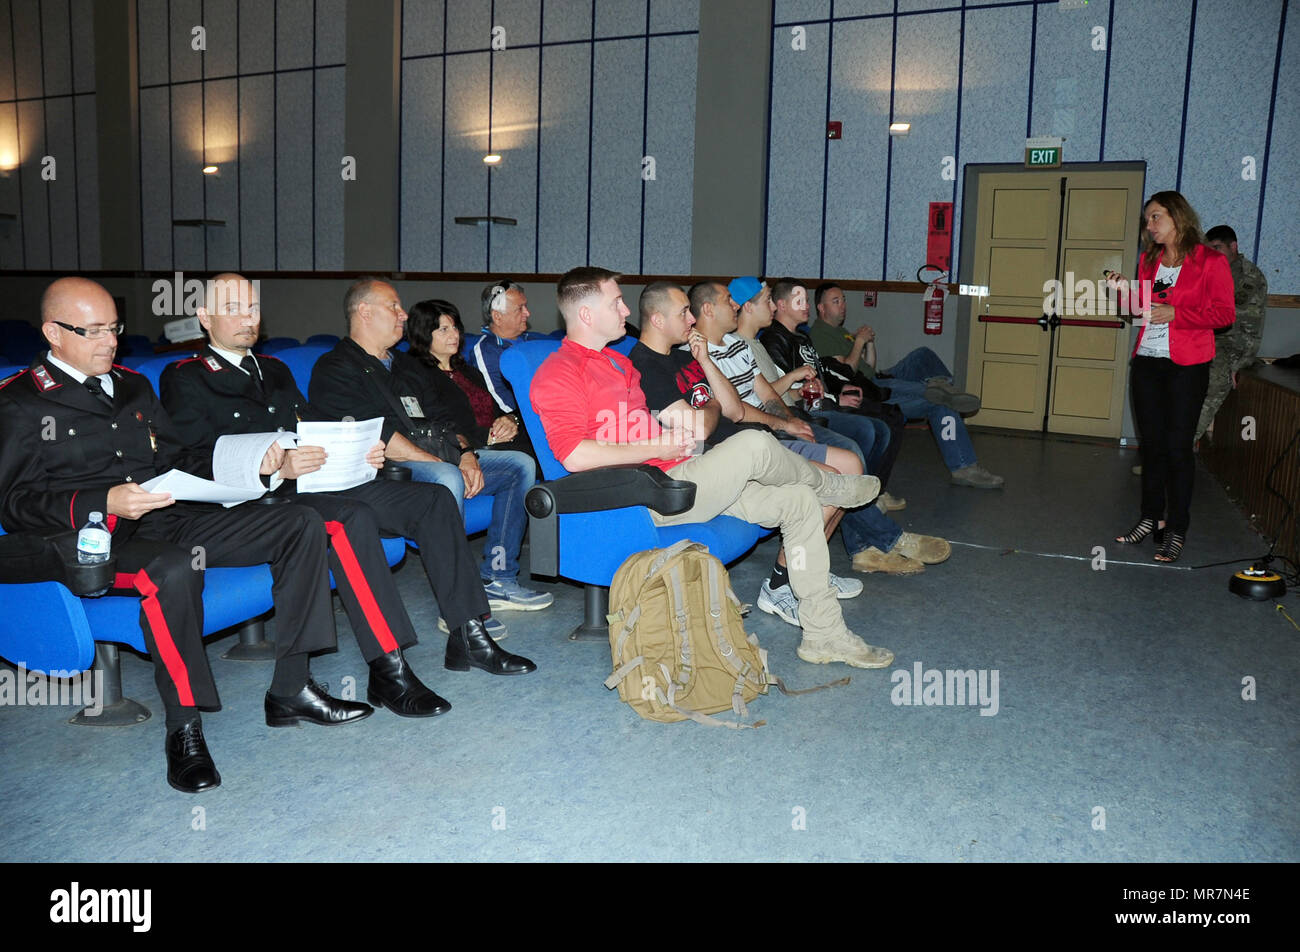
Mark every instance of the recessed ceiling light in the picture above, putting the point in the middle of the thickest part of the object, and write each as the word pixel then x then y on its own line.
pixel 492 159
pixel 899 128
pixel 209 170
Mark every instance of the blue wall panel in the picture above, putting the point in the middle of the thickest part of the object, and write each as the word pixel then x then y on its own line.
pixel 35 193
pixel 219 18
pixel 56 46
pixel 566 20
pixel 514 138
pixel 522 20
pixel 155 178
pixel 331 32
pixel 1069 75
pixel 1279 252
pixel 293 169
pixel 186 63
pixel 620 17
pixel 7 52
pixel 329 186
pixel 62 191
pixel 27 48
pixel 421 27
pixel 856 179
pixel 257 173
pixel 615 209
pixel 293 34
pixel 800 11
pixel 798 124
pixel 187 185
pixel 221 191
pixel 670 15
pixel 925 94
pixel 1142 123
pixel 464 247
pixel 562 219
pixel 1218 138
pixel 670 125
pixel 421 208
pixel 83 45
pixel 469 25
pixel 88 182
pixel 256 36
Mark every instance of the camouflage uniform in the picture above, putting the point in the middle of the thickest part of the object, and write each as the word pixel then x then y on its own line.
pixel 1235 348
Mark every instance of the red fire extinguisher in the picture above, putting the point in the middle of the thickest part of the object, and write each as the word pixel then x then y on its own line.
pixel 932 299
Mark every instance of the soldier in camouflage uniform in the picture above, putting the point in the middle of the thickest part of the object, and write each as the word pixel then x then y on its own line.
pixel 1234 349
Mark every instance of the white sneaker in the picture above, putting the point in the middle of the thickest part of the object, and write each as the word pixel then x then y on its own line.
pixel 845 587
pixel 846 648
pixel 779 602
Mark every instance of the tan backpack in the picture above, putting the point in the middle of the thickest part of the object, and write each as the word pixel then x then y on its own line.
pixel 677 638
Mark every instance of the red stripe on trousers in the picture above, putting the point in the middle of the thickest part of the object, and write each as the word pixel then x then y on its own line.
pixel 162 636
pixel 357 578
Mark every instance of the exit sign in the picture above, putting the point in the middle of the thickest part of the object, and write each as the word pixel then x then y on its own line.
pixel 1043 152
pixel 1048 158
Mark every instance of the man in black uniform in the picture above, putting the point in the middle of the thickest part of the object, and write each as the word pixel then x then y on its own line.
pixel 78 435
pixel 226 390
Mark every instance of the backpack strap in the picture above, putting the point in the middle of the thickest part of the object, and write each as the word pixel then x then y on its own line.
pixel 670 700
pixel 681 545
pixel 622 672
pixel 683 623
pixel 821 687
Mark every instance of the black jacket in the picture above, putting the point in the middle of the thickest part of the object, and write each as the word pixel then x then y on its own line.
pixel 62 450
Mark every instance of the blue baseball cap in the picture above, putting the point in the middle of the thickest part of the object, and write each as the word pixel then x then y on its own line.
pixel 744 289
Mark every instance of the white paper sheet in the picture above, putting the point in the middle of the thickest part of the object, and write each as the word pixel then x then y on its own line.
pixel 346 445
pixel 187 488
pixel 237 458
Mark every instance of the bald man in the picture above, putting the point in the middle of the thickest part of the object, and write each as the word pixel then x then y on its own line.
pixel 227 390
pixel 78 435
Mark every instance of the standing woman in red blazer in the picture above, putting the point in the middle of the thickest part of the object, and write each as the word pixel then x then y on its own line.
pixel 1184 291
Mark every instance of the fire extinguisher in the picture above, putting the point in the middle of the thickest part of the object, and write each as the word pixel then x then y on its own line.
pixel 932 299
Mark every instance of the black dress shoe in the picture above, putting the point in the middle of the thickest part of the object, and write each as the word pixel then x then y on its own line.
pixel 189 765
pixel 394 685
pixel 314 706
pixel 469 646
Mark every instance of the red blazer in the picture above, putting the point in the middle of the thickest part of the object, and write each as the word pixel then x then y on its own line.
pixel 1203 299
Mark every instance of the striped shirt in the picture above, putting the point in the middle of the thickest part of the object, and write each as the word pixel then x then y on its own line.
pixel 733 358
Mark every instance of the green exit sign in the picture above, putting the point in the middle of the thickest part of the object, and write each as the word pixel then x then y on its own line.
pixel 1044 158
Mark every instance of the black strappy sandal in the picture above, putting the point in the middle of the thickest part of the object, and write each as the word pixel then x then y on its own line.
pixel 1139 532
pixel 1171 548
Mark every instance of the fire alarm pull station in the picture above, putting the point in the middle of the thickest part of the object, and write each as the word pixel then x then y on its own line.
pixel 869 299
pixel 834 130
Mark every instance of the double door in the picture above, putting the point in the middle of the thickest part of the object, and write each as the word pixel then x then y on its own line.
pixel 1047 349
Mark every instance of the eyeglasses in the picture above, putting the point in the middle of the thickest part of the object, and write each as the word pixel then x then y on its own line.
pixel 94 333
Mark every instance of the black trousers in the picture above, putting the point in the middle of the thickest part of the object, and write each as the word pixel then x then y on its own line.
pixel 163 561
pixel 425 512
pixel 1167 400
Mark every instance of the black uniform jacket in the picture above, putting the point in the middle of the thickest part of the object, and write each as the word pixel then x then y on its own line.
pixel 208 397
pixel 62 449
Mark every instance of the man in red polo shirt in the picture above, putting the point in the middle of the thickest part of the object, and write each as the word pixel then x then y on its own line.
pixel 591 405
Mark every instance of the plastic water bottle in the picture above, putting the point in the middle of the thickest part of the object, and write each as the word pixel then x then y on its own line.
pixel 94 543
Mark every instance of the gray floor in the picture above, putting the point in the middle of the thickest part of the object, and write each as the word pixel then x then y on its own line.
pixel 1119 705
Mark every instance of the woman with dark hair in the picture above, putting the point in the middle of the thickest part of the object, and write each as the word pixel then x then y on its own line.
pixel 435 332
pixel 1184 292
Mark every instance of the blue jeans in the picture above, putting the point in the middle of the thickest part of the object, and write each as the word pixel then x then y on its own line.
pixel 507 477
pixel 946 425
pixel 919 366
pixel 861 528
pixel 867 437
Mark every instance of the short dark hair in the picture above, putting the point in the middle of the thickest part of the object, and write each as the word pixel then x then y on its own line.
pixel 654 299
pixel 423 319
pixel 358 291
pixel 704 292
pixel 1221 233
pixel 821 292
pixel 490 294
pixel 579 283
pixel 784 287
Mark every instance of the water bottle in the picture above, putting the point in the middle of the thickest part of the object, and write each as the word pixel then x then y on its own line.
pixel 94 544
